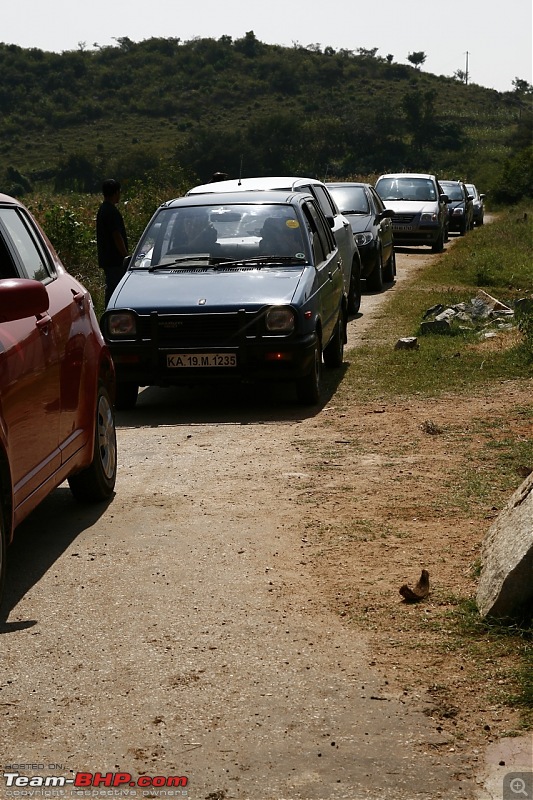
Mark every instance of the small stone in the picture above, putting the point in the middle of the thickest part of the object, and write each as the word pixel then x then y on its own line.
pixel 407 343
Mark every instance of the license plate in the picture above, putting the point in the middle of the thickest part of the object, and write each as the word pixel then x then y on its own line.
pixel 400 227
pixel 201 360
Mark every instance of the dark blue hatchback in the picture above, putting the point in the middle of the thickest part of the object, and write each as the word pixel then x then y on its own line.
pixel 223 287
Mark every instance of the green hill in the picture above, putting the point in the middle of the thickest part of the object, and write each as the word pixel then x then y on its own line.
pixel 70 119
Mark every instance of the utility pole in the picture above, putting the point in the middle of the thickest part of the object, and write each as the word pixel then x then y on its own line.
pixel 466 69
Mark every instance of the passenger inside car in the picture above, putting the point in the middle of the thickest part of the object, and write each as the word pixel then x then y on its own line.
pixel 280 237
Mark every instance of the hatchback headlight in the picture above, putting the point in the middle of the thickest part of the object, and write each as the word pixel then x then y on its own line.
pixel 280 319
pixel 429 217
pixel 362 238
pixel 122 325
pixel 458 212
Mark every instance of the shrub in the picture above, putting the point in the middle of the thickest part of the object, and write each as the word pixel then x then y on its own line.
pixel 524 317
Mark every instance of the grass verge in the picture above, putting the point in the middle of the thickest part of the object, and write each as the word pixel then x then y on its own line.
pixel 491 454
pixel 496 258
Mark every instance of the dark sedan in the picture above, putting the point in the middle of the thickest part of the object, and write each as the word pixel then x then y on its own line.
pixel 230 287
pixel 372 230
pixel 478 204
pixel 460 207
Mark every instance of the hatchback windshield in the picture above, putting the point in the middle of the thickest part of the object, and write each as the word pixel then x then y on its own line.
pixel 420 189
pixel 220 233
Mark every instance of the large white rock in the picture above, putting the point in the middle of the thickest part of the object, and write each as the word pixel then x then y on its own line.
pixel 506 582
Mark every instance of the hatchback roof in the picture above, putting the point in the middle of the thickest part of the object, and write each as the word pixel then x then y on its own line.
pixel 335 184
pixel 6 198
pixel 233 196
pixel 407 175
pixel 249 184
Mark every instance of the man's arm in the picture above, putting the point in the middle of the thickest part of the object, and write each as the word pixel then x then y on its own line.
pixel 120 245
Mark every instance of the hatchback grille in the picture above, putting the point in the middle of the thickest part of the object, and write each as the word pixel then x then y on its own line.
pixel 190 330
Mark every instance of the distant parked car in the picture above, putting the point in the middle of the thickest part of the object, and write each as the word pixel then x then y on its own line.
pixel 420 208
pixel 460 208
pixel 340 225
pixel 478 205
pixel 372 230
pixel 230 287
pixel 56 379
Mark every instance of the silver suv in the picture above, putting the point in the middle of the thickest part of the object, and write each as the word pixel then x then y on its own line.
pixel 420 208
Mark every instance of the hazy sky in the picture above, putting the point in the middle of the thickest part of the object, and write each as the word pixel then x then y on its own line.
pixel 497 34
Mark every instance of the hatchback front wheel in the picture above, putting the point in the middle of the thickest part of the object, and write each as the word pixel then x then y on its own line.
pixel 334 350
pixel 308 387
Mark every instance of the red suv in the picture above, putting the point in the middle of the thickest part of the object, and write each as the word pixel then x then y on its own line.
pixel 57 380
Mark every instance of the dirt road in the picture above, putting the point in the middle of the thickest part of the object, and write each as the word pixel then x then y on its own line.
pixel 179 632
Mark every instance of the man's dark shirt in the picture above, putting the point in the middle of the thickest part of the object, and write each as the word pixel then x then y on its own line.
pixel 108 220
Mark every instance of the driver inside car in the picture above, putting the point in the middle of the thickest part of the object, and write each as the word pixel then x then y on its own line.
pixel 193 233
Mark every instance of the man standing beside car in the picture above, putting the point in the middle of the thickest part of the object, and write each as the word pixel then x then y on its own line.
pixel 111 238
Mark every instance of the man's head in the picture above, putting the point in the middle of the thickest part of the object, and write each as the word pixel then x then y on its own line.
pixel 111 189
pixel 195 220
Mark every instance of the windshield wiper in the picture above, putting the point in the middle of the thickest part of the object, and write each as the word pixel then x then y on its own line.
pixel 184 260
pixel 240 262
pixel 354 211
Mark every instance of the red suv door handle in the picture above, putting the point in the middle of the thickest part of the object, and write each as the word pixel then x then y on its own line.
pixel 79 298
pixel 43 322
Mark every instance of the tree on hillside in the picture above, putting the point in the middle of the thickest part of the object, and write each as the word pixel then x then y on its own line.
pixel 249 45
pixel 14 183
pixel 417 59
pixel 427 131
pixel 76 173
pixel 517 177
pixel 367 53
pixel 522 87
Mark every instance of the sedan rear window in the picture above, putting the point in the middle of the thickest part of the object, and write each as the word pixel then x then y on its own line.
pixel 453 190
pixel 351 199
